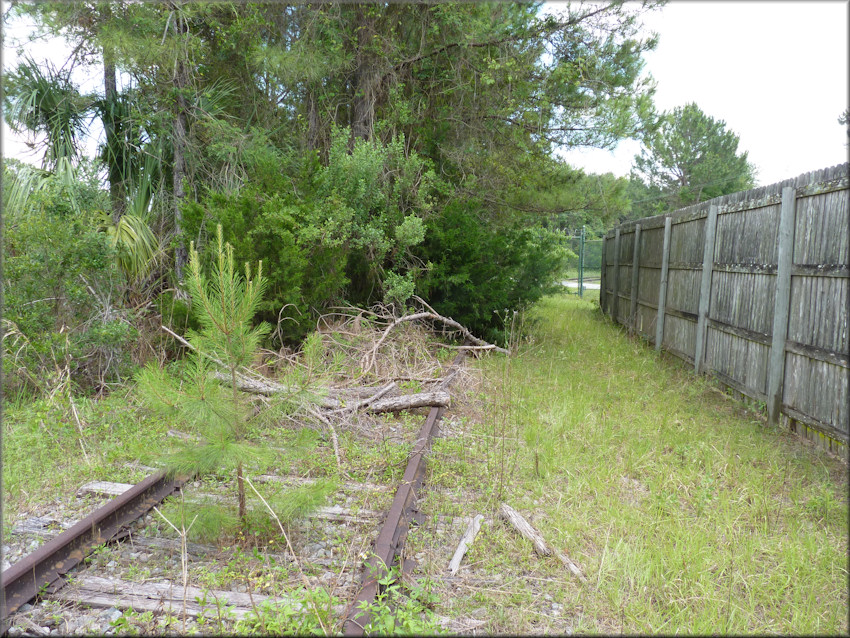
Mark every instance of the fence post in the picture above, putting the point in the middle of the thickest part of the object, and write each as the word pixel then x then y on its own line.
pixel 782 302
pixel 705 286
pixel 635 281
pixel 615 308
pixel 602 298
pixel 581 265
pixel 662 288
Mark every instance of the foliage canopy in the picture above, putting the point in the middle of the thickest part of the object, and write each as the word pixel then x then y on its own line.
pixel 330 139
pixel 691 158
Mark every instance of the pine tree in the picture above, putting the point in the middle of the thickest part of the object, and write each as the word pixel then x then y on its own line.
pixel 224 306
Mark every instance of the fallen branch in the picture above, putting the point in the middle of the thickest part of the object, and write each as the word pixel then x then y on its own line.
pixel 334 438
pixel 489 346
pixel 465 541
pixel 245 376
pixel 337 400
pixel 372 404
pixel 368 360
pixel 524 528
pixel 437 399
pixel 370 399
pixel 569 564
pixel 527 531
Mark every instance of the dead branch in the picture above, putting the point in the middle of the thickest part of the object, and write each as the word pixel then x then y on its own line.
pixel 489 346
pixel 527 531
pixel 438 399
pixel 368 360
pixel 336 400
pixel 465 542
pixel 524 528
pixel 334 438
pixel 370 399
pixel 243 374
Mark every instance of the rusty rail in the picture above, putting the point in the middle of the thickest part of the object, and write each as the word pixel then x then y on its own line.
pixel 394 531
pixel 42 570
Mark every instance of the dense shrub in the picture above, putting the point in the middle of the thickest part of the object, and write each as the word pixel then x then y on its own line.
pixel 341 232
pixel 62 294
pixel 477 272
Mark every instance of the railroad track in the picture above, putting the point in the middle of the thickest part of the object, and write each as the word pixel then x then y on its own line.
pixel 56 570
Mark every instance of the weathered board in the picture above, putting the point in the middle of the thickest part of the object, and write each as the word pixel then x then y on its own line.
pixel 803 373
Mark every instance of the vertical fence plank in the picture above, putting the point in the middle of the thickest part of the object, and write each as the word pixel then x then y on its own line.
pixel 635 281
pixel 705 286
pixel 662 288
pixel 615 293
pixel 782 302
pixel 602 277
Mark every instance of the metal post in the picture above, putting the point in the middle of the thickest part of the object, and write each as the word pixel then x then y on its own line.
pixel 581 265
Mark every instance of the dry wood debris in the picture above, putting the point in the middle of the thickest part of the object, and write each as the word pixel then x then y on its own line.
pixel 468 537
pixel 519 523
pixel 385 350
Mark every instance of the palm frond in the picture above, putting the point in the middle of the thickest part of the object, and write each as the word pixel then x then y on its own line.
pixel 44 101
pixel 136 245
pixel 23 184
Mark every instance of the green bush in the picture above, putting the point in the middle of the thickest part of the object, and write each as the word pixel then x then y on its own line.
pixel 345 232
pixel 62 294
pixel 477 272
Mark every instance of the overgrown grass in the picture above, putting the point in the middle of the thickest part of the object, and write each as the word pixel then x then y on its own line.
pixel 683 509
pixel 48 452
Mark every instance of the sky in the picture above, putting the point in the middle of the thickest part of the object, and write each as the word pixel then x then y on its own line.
pixel 775 72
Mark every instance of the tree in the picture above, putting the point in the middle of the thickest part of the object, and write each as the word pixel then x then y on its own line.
pixel 462 103
pixel 44 101
pixel 207 400
pixel 224 307
pixel 691 158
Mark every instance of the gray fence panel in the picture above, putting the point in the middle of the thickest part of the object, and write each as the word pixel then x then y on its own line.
pixel 809 357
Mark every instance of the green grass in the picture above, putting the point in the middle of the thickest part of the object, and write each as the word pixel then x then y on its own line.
pixel 683 509
pixel 48 455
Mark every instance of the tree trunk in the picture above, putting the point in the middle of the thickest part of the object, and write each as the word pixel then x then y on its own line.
pixel 366 77
pixel 179 143
pixel 240 488
pixel 312 120
pixel 110 93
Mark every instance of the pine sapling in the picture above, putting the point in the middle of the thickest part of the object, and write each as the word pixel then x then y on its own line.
pixel 224 306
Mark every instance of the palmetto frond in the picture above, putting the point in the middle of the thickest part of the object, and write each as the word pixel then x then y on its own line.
pixel 23 184
pixel 136 245
pixel 43 101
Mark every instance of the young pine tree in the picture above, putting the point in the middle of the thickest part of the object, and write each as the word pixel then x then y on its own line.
pixel 217 413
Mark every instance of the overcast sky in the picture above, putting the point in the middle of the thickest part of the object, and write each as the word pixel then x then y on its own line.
pixel 775 72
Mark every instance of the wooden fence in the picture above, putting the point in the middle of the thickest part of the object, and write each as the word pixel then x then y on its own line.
pixel 752 288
